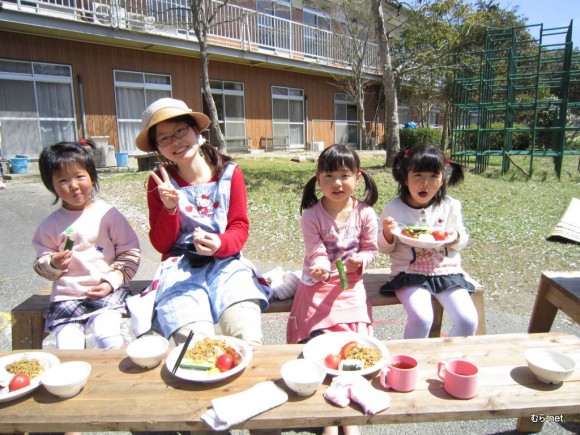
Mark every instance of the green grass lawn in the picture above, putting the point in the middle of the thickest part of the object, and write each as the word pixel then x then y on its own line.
pixel 508 218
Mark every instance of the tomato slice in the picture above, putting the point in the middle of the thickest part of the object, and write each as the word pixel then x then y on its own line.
pixel 224 362
pixel 347 348
pixel 19 381
pixel 332 361
pixel 439 235
pixel 236 356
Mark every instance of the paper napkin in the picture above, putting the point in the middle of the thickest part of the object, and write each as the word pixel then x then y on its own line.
pixel 345 388
pixel 236 408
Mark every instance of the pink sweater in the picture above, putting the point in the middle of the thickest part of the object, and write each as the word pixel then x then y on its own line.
pixel 325 305
pixel 105 249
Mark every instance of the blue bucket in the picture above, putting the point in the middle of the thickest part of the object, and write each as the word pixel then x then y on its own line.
pixel 122 159
pixel 19 165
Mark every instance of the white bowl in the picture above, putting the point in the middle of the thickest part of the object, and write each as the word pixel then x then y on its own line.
pixel 303 376
pixel 148 351
pixel 66 379
pixel 550 366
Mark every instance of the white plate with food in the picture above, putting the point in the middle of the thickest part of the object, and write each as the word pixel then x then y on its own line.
pixel 204 360
pixel 347 352
pixel 31 364
pixel 422 237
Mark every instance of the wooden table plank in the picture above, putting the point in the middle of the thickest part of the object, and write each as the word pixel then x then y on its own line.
pixel 121 397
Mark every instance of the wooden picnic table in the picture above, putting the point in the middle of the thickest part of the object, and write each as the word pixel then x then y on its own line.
pixel 122 397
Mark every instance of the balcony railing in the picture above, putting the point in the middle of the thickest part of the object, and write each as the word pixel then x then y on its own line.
pixel 235 27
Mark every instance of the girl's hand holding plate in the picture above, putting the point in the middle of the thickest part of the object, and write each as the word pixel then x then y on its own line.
pixel 168 194
pixel 453 236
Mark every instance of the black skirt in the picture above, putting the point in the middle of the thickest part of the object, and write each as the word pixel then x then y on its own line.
pixel 433 283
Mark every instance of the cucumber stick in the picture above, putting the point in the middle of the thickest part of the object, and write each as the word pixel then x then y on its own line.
pixel 342 274
pixel 69 244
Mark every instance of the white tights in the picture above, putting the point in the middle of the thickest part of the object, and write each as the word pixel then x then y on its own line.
pixel 106 332
pixel 457 304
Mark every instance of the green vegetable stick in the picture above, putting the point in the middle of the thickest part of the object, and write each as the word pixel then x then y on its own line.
pixel 342 274
pixel 69 244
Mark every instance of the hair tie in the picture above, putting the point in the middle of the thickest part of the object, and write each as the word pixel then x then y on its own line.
pixel 448 161
pixel 407 152
pixel 83 142
pixel 359 170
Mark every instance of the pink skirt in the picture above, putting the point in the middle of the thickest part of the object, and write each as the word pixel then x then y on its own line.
pixel 325 306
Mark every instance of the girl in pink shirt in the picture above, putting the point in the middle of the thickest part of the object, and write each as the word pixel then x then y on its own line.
pixel 86 248
pixel 336 226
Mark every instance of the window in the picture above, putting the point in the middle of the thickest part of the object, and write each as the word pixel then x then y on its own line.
pixel 36 106
pixel 404 114
pixel 434 117
pixel 288 115
pixel 316 32
pixel 345 114
pixel 134 92
pixel 229 101
pixel 173 13
pixel 274 24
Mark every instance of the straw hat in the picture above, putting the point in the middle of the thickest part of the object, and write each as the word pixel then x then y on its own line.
pixel 162 110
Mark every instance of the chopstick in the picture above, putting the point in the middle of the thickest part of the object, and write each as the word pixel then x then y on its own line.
pixel 182 353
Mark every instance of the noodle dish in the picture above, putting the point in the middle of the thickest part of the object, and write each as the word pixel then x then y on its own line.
pixel 342 352
pixel 22 373
pixel 211 359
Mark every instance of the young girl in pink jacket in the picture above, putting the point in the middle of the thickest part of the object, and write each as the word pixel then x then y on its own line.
pixel 86 248
pixel 336 226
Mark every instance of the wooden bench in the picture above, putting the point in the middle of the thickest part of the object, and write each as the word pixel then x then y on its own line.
pixel 239 145
pixel 274 143
pixel 28 317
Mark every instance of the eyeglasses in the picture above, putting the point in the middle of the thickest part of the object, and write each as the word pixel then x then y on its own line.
pixel 177 134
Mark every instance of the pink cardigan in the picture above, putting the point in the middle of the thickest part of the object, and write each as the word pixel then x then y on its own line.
pixel 323 305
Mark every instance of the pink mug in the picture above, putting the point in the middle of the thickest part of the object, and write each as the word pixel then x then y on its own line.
pixel 459 378
pixel 400 374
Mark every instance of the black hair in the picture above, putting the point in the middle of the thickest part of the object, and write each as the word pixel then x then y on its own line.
pixel 336 158
pixel 425 158
pixel 210 153
pixel 60 155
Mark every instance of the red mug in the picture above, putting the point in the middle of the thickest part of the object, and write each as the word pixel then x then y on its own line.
pixel 459 378
pixel 400 374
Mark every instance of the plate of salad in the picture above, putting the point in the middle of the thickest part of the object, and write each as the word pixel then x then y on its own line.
pixel 211 359
pixel 422 236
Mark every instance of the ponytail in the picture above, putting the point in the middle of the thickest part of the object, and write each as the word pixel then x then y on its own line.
pixel 309 195
pixel 456 175
pixel 371 190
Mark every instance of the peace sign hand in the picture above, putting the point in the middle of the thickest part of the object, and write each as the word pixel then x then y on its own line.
pixel 168 194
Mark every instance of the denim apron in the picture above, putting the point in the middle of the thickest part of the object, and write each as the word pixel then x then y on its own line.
pixel 188 293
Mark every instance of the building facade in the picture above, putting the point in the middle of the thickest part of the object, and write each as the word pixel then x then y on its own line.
pixel 72 69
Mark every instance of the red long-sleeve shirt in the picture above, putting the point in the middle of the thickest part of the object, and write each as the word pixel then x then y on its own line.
pixel 165 226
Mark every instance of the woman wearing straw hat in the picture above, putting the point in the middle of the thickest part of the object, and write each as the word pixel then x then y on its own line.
pixel 199 223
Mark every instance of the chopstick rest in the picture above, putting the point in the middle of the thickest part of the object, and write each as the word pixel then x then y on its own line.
pixel 236 408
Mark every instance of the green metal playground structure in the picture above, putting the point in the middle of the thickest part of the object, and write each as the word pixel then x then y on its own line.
pixel 519 96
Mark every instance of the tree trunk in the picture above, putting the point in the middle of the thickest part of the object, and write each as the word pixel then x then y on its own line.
pixel 362 131
pixel 446 127
pixel 199 9
pixel 391 115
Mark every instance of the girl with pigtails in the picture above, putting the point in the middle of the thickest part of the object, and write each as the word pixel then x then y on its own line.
pixel 417 273
pixel 340 227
